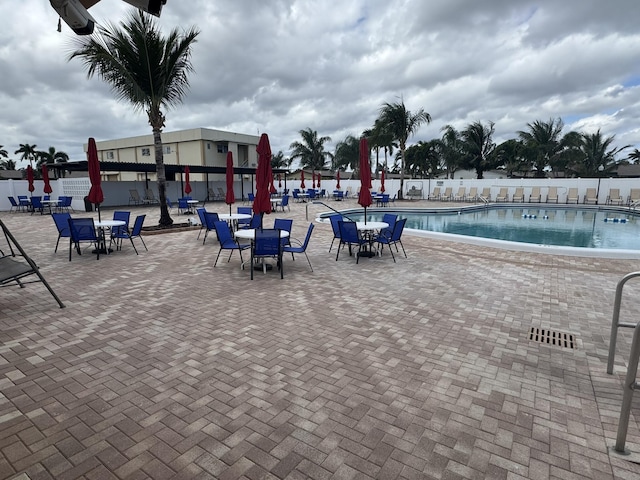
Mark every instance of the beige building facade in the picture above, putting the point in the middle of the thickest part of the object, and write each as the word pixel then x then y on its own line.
pixel 197 146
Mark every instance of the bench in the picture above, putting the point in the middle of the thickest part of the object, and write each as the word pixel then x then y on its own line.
pixel 413 193
pixel 13 268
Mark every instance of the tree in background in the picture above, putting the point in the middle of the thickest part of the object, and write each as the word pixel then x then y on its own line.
pixel 144 68
pixel 7 164
pixel 310 152
pixel 634 156
pixel 597 157
pixel 347 154
pixel 451 149
pixel 543 143
pixel 479 147
pixel 279 161
pixel 400 123
pixel 423 159
pixel 28 152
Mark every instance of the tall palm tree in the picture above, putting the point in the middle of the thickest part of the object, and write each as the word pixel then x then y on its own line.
pixel 278 160
pixel 310 151
pixel 598 157
pixel 543 143
pixel 7 165
pixel 401 124
pixel 634 156
pixel 144 68
pixel 451 149
pixel 3 152
pixel 52 156
pixel 28 152
pixel 479 147
pixel 347 154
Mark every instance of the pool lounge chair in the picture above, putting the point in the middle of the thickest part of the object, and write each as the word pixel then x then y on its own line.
pixel 486 194
pixel 572 195
pixel 472 196
pixel 552 195
pixel 435 195
pixel 614 197
pixel 535 195
pixel 634 197
pixel 518 195
pixel 590 197
pixel 503 195
pixel 461 195
pixel 447 195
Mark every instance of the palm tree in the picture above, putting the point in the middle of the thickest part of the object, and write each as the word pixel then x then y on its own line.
pixel 400 124
pixel 451 149
pixel 51 156
pixel 347 154
pixel 598 158
pixel 634 156
pixel 28 152
pixel 279 161
pixel 3 152
pixel 144 68
pixel 479 147
pixel 543 143
pixel 7 165
pixel 310 151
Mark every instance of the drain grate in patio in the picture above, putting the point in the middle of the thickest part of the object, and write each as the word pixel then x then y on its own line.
pixel 551 337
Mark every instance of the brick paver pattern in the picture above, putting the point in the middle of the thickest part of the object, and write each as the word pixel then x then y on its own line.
pixel 164 367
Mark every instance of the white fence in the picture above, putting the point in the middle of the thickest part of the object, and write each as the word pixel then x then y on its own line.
pixel 117 193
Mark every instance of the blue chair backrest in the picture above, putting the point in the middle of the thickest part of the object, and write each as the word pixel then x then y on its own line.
pixel 23 200
pixel 36 202
pixel 334 219
pixel 210 220
pixel 312 193
pixel 283 224
pixel 250 196
pixel 62 223
pixel 67 201
pixel 256 221
pixel 224 233
pixel 349 232
pixel 267 242
pixel 285 200
pixel 122 215
pixel 295 194
pixel 308 237
pixel 397 230
pixel 182 203
pixel 13 201
pixel 390 218
pixel 82 229
pixel 137 225
pixel 169 204
pixel 245 210
pixel 201 211
pixel 47 197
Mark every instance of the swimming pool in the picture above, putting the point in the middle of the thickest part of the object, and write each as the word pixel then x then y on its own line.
pixel 590 231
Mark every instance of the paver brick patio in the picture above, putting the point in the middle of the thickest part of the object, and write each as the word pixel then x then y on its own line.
pixel 164 367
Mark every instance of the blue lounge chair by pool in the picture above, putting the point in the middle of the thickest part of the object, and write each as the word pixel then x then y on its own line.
pixel 295 246
pixel 227 242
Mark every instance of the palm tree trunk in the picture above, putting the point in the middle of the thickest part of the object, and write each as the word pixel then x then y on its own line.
pixel 165 218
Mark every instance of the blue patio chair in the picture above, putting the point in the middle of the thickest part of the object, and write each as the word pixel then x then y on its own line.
pixel 244 211
pixel 390 219
pixel 250 198
pixel 284 203
pixel 24 203
pixel 203 222
pixel 255 222
pixel 62 224
pixel 46 197
pixel 122 231
pixel 169 203
pixel 285 224
pixel 349 235
pixel 393 239
pixel 136 232
pixel 267 243
pixel 14 205
pixel 312 193
pixel 334 219
pixel 383 201
pixel 210 219
pixel 227 242
pixel 183 205
pixel 83 230
pixel 296 246
pixel 64 203
pixel 295 196
pixel 36 204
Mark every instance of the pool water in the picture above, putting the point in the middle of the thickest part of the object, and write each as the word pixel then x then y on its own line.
pixel 570 227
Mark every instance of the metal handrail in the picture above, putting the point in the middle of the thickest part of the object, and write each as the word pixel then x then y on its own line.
pixel 615 322
pixel 630 385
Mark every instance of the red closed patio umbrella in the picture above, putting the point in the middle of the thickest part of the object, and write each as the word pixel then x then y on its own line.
pixel 302 179
pixel 313 183
pixel 45 179
pixel 262 201
pixel 279 181
pixel 318 182
pixel 95 193
pixel 382 181
pixel 338 179
pixel 272 187
pixel 230 197
pixel 30 179
pixel 364 197
pixel 187 180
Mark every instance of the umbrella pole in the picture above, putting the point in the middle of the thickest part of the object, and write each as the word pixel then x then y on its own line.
pixel 98 209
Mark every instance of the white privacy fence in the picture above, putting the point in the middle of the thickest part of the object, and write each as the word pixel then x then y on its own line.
pixel 117 193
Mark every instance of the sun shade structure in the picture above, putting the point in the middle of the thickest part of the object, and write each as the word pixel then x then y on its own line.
pixel 95 193
pixel 230 197
pixel 364 197
pixel 262 201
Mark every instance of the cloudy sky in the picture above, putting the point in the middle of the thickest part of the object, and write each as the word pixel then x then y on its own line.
pixel 280 66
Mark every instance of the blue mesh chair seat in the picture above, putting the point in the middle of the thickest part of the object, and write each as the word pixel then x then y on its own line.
pixel 393 238
pixel 267 243
pixel 295 246
pixel 349 235
pixel 210 219
pixel 83 230
pixel 227 242
pixel 62 224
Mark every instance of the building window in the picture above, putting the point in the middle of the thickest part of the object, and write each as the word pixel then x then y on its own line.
pixel 166 149
pixel 223 148
pixel 109 155
pixel 208 146
pixel 146 152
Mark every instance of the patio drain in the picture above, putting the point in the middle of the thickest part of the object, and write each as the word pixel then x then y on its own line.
pixel 551 337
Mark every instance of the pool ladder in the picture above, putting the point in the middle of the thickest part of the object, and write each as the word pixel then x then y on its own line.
pixel 630 383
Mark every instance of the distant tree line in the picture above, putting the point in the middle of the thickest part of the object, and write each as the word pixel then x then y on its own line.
pixel 30 154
